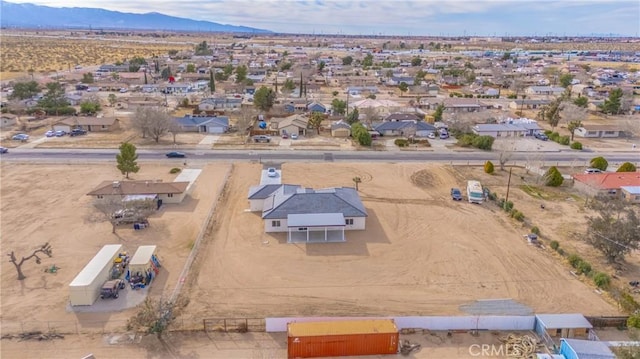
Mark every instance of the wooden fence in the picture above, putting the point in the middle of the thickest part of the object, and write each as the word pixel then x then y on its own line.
pixel 239 325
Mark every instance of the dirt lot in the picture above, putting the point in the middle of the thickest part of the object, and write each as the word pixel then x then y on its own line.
pixel 48 203
pixel 422 254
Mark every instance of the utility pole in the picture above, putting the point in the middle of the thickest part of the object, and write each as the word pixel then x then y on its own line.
pixel 508 185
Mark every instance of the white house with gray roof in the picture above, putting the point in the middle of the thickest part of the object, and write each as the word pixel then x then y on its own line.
pixel 309 215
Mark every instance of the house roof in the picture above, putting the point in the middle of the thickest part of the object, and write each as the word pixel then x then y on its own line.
pixel 563 321
pixel 215 121
pixel 611 180
pixel 340 124
pixel 88 121
pixel 366 103
pixel 138 187
pixel 315 220
pixel 398 125
pixel 631 189
pixel 343 200
pixel 264 191
pixel 590 349
pixel 402 117
pixel 294 120
pixel 498 127
pixel 600 128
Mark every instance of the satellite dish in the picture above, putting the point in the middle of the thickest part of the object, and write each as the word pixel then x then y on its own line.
pixel 262 125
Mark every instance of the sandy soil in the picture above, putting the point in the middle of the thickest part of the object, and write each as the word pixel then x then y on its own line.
pixel 48 203
pixel 422 254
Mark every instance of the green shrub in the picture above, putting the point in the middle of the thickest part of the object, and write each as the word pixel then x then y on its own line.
pixel 600 163
pixel 175 170
pixel 626 300
pixel 561 252
pixel 548 132
pixel 507 206
pixel 627 167
pixel 584 268
pixel 483 142
pixel 553 177
pixel 517 215
pixel 535 230
pixel 555 245
pixel 564 140
pixel 633 321
pixel 466 140
pixel 401 142
pixel 493 196
pixel 554 136
pixel 488 167
pixel 602 280
pixel 574 260
pixel 576 145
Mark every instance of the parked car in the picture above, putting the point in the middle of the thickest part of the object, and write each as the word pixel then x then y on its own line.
pixel 20 137
pixel 431 135
pixel 50 133
pixel 294 136
pixel 77 132
pixel 4 150
pixel 541 136
pixel 592 170
pixel 271 172
pixel 444 135
pixel 111 288
pixel 176 154
pixel 285 135
pixel 60 133
pixel 263 138
pixel 456 194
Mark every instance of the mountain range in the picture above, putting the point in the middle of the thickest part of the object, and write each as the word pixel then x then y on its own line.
pixel 39 17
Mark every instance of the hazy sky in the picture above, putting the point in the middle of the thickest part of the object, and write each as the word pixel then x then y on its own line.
pixel 396 17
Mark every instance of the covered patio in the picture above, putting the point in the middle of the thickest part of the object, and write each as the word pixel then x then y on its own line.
pixel 315 228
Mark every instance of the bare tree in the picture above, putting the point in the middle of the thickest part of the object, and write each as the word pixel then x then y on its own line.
pixel 116 211
pixel 371 114
pixel 174 129
pixel 44 249
pixel 573 116
pixel 154 317
pixel 507 149
pixel 245 119
pixel 152 121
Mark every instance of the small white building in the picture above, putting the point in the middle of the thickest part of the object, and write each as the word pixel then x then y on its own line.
pixel 167 192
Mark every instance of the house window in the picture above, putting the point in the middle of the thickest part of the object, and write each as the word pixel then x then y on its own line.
pixel 609 132
pixel 275 223
pixel 169 195
pixel 612 191
pixel 100 196
pixel 302 228
pixel 558 332
pixel 592 133
pixel 104 126
pixel 348 221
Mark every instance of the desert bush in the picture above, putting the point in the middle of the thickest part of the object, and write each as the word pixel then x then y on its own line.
pixel 574 260
pixel 507 206
pixel 554 136
pixel 634 320
pixel 626 300
pixel 599 162
pixel 576 145
pixel 535 230
pixel 548 132
pixel 584 268
pixel 401 142
pixel 561 252
pixel 555 245
pixel 466 140
pixel 627 167
pixel 488 167
pixel 517 215
pixel 603 280
pixel 483 142
pixel 175 170
pixel 564 140
pixel 553 177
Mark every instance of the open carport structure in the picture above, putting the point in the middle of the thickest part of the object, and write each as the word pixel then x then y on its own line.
pixel 315 227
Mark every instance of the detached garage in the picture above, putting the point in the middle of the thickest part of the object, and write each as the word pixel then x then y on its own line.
pixel 85 287
pixel 144 261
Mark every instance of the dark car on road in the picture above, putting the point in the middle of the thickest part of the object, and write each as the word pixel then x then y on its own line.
pixel 4 150
pixel 456 194
pixel 176 154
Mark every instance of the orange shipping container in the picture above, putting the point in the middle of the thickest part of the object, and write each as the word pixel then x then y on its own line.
pixel 342 338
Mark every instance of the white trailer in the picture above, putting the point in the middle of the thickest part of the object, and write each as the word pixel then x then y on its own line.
pixel 475 194
pixel 85 287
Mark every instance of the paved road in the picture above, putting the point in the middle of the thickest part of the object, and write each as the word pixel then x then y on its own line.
pixel 99 155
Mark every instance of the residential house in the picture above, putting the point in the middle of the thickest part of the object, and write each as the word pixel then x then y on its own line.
pixel 203 124
pixel 8 120
pixel 401 117
pixel 458 105
pixel 508 128
pixel 292 124
pixel 604 131
pixel 360 90
pixel 90 124
pixel 607 183
pixel 113 68
pixel 528 104
pixel 258 194
pixel 298 105
pixel 314 215
pixel 407 128
pixel 167 192
pixel 397 80
pixel 630 194
pixel 425 90
pixel 585 349
pixel 74 99
pixel 217 103
pixel 551 327
pixel 340 129
pixel 177 88
pixel 316 107
pixel 544 90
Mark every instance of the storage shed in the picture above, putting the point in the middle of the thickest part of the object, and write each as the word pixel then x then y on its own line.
pixel 144 260
pixel 85 287
pixel 562 326
pixel 585 349
pixel 342 338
